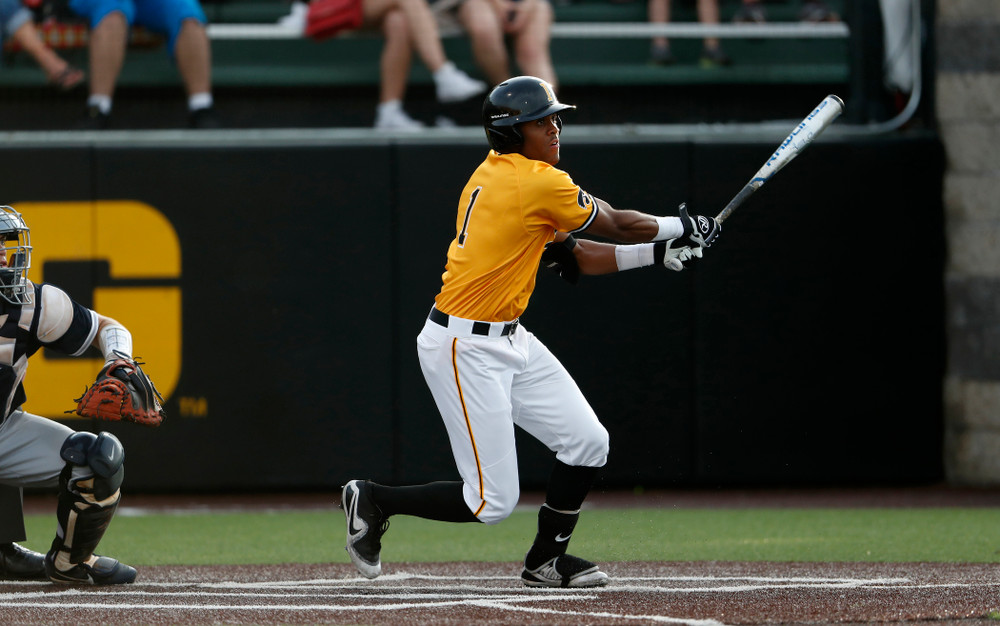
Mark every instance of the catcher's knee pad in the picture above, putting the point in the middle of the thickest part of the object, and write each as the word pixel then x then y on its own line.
pixel 89 491
pixel 104 457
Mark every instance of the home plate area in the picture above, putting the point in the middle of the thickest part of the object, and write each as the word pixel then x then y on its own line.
pixel 491 593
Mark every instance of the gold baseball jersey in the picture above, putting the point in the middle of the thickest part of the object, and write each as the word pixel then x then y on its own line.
pixel 510 208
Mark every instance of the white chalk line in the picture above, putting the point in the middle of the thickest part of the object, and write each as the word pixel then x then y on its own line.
pixel 396 578
pixel 458 591
pixel 243 607
pixel 507 597
pixel 501 603
pixel 600 614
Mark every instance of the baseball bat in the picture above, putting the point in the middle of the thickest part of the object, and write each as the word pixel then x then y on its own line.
pixel 803 134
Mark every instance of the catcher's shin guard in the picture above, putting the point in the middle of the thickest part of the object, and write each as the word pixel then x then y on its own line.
pixel 88 496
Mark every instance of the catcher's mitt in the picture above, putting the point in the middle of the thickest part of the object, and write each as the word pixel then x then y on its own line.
pixel 122 391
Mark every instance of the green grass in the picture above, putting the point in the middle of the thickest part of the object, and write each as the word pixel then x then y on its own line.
pixel 817 535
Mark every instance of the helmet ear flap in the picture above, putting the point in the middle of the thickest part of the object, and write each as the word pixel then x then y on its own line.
pixel 515 139
pixel 504 139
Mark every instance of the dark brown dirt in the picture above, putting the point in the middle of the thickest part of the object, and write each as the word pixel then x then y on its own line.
pixel 490 594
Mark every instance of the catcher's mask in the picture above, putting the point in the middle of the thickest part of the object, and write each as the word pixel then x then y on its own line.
pixel 514 101
pixel 16 238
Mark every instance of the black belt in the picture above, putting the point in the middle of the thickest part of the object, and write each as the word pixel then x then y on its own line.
pixel 478 328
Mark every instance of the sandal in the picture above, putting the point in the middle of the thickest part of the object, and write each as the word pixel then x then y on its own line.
pixel 68 79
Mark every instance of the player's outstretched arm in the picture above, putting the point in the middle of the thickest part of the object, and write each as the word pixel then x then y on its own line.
pixel 569 257
pixel 627 226
pixel 595 257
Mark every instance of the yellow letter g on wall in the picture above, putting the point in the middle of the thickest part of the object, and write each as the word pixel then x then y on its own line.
pixel 132 262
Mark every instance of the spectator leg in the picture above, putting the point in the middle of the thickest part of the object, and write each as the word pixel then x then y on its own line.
pixel 194 57
pixel 107 53
pixel 708 13
pixel 396 57
pixel 658 12
pixel 486 38
pixel 423 27
pixel 51 63
pixel 531 45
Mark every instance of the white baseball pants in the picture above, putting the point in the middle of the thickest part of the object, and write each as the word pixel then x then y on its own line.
pixel 485 385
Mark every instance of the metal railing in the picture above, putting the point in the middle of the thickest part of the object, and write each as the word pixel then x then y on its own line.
pixel 593 30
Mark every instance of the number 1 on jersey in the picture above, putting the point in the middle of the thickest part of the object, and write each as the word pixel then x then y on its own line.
pixel 468 214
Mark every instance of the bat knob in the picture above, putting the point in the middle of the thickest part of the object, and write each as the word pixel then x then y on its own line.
pixel 682 211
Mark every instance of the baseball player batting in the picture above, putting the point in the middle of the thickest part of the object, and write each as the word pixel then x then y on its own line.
pixel 486 371
pixel 38 452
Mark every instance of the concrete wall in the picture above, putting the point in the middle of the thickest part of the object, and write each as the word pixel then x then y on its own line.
pixel 968 107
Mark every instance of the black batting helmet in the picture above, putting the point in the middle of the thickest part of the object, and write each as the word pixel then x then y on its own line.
pixel 520 99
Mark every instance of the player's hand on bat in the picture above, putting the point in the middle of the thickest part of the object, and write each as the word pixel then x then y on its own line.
pixel 699 231
pixel 674 258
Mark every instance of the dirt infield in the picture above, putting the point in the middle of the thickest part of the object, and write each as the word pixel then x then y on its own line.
pixel 490 594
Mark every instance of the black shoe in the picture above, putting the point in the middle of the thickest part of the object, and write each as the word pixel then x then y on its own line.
pixel 17 563
pixel 565 570
pixel 817 12
pixel 365 527
pixel 714 57
pixel 750 13
pixel 94 119
pixel 661 55
pixel 204 118
pixel 104 571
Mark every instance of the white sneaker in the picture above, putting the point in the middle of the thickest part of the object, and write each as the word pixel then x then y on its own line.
pixel 444 122
pixel 454 85
pixel 296 20
pixel 396 119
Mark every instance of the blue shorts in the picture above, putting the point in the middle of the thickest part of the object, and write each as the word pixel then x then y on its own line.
pixel 13 15
pixel 159 16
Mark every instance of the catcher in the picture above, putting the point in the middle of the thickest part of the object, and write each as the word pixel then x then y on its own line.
pixel 39 452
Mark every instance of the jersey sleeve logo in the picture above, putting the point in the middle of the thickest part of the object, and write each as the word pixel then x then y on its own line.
pixel 586 202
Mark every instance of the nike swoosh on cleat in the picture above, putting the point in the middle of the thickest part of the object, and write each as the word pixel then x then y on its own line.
pixel 352 511
pixel 561 539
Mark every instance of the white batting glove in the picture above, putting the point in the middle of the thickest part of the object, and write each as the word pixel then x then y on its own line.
pixel 674 258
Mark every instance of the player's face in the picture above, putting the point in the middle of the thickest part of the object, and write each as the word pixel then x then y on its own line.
pixel 541 140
